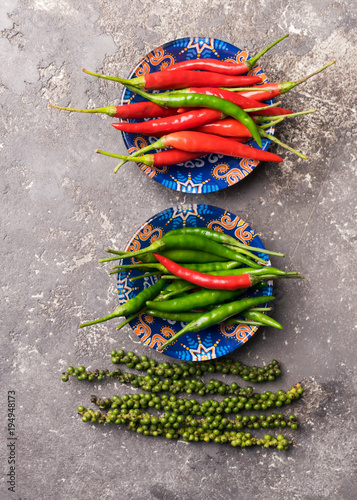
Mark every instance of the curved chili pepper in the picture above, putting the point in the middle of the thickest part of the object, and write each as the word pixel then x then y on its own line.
pixel 179 286
pixel 208 143
pixel 224 67
pixel 218 315
pixel 163 80
pixel 243 101
pixel 135 110
pixel 196 300
pixel 187 242
pixel 182 121
pixel 187 317
pixel 132 305
pixel 211 281
pixel 183 255
pixel 280 87
pixel 262 318
pixel 223 238
pixel 229 127
pixel 161 158
pixel 196 100
pixel 202 267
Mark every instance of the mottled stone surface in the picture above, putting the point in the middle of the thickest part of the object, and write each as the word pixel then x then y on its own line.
pixel 61 205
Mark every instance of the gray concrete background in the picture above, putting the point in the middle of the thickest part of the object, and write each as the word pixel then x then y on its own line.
pixel 61 205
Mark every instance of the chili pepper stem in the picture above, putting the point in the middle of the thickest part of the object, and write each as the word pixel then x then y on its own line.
pixel 146 275
pixel 108 110
pixel 139 81
pixel 154 247
pixel 156 145
pixel 100 320
pixel 286 86
pixel 146 159
pixel 271 124
pixel 266 118
pixel 251 62
pixel 282 144
pixel 129 318
pixel 254 110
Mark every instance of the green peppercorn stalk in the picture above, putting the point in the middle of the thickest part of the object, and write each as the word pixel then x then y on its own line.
pixel 208 423
pixel 191 368
pixel 214 413
pixel 248 400
pixel 154 385
pixel 170 430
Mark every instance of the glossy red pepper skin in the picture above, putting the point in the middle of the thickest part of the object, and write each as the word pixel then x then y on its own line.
pixel 244 100
pixel 229 127
pixel 209 143
pixel 140 110
pixel 203 280
pixel 163 80
pixel 182 121
pixel 259 95
pixel 224 67
pixel 173 157
pixel 214 65
pixel 135 110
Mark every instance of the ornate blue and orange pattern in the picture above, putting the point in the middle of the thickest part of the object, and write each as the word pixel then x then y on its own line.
pixel 153 332
pixel 211 172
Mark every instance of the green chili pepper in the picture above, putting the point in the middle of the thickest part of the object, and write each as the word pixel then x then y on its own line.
pixel 188 242
pixel 221 238
pixel 218 315
pixel 183 255
pixel 262 318
pixel 196 300
pixel 132 305
pixel 193 100
pixel 187 317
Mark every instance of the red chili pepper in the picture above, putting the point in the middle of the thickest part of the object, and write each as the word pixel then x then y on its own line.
pixel 160 159
pixel 279 88
pixel 135 110
pixel 182 121
pixel 209 280
pixel 224 67
pixel 163 80
pixel 243 101
pixel 192 141
pixel 229 127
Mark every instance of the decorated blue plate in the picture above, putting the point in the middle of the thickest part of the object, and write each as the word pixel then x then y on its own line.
pixel 211 172
pixel 209 343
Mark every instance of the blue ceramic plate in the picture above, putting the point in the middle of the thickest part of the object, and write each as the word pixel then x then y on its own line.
pixel 153 332
pixel 211 172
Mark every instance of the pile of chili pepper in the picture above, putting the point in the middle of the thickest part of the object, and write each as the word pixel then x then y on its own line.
pixel 202 276
pixel 207 106
pixel 189 419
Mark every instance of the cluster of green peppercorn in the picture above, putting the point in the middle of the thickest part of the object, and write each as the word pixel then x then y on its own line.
pixel 185 418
